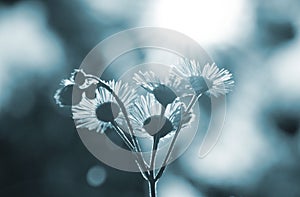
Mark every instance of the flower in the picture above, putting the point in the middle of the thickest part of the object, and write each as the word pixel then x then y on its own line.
pixel 208 78
pixel 103 111
pixel 147 119
pixel 165 91
pixel 72 89
pixel 70 93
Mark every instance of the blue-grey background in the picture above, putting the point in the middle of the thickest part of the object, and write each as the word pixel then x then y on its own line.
pixel 41 42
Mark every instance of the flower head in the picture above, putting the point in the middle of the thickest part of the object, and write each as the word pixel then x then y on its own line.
pixel 147 119
pixel 165 91
pixel 208 78
pixel 99 113
pixel 72 89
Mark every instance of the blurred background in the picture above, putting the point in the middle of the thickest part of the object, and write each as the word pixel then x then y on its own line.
pixel 258 155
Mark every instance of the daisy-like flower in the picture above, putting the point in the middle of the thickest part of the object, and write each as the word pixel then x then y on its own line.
pixel 102 112
pixel 147 119
pixel 73 88
pixel 165 91
pixel 204 79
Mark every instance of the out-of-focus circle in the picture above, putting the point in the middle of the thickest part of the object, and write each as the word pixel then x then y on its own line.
pixel 96 176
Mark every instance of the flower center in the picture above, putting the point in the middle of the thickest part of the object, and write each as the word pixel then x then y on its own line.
pixel 164 95
pixel 199 84
pixel 79 78
pixel 158 126
pixel 107 111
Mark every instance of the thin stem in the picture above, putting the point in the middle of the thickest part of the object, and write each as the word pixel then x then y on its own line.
pixel 192 102
pixel 135 142
pixel 190 106
pixel 162 169
pixel 120 132
pixel 123 109
pixel 152 188
pixel 141 159
pixel 171 147
pixel 162 112
pixel 145 174
pixel 155 144
pixel 153 154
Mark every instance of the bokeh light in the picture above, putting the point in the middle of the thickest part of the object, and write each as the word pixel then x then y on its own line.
pixel 96 176
pixel 208 22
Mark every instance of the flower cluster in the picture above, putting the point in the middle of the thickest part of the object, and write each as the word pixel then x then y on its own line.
pixel 156 112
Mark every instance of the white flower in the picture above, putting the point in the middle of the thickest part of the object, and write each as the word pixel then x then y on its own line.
pixel 80 78
pixel 165 90
pixel 72 89
pixel 99 113
pixel 208 78
pixel 147 120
